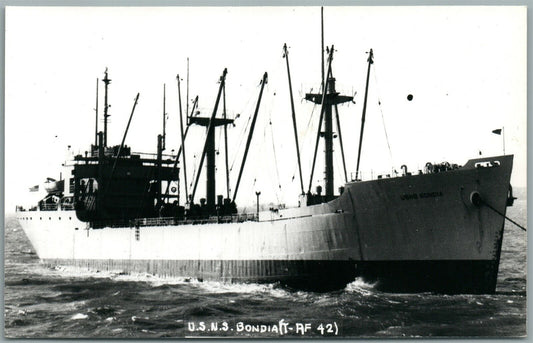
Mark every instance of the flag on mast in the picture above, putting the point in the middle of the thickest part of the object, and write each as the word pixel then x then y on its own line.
pixel 501 132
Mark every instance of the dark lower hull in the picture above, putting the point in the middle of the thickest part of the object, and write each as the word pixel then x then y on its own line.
pixel 451 277
pixel 448 277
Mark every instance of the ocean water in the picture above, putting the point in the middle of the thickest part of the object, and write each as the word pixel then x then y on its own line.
pixel 59 302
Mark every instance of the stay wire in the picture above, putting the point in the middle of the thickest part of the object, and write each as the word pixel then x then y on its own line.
pixel 242 133
pixel 381 111
pixel 274 151
pixel 195 162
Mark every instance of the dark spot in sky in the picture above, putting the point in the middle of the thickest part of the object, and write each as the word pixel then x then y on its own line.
pixel 410 97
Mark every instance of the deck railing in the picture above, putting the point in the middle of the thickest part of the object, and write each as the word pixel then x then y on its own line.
pixel 167 221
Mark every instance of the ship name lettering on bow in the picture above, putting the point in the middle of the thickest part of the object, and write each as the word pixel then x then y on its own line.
pixel 422 195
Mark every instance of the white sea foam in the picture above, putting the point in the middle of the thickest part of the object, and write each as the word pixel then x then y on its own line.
pixel 79 316
pixel 360 286
pixel 216 287
pixel 209 286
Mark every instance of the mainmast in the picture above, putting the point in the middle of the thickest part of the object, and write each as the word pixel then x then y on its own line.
pixel 106 81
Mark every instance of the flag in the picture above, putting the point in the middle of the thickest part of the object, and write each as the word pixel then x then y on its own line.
pixel 497 131
pixel 34 188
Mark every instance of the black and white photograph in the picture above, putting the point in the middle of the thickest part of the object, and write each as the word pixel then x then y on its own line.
pixel 265 172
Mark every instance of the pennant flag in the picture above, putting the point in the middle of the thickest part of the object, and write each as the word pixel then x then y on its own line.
pixel 34 188
pixel 497 131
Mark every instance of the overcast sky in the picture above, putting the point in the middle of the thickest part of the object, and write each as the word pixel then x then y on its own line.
pixel 464 66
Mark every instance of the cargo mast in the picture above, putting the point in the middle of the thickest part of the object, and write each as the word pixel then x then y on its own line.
pixel 329 98
pixel 209 148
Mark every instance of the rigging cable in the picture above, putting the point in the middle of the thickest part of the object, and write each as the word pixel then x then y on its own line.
pixel 310 128
pixel 338 170
pixel 244 129
pixel 274 147
pixel 194 171
pixel 382 116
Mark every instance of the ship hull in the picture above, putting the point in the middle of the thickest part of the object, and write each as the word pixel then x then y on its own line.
pixel 406 234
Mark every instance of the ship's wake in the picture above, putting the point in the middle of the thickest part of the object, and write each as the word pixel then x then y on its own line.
pixel 358 286
pixel 160 281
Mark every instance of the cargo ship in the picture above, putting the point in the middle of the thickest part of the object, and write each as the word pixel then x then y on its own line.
pixel 439 229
